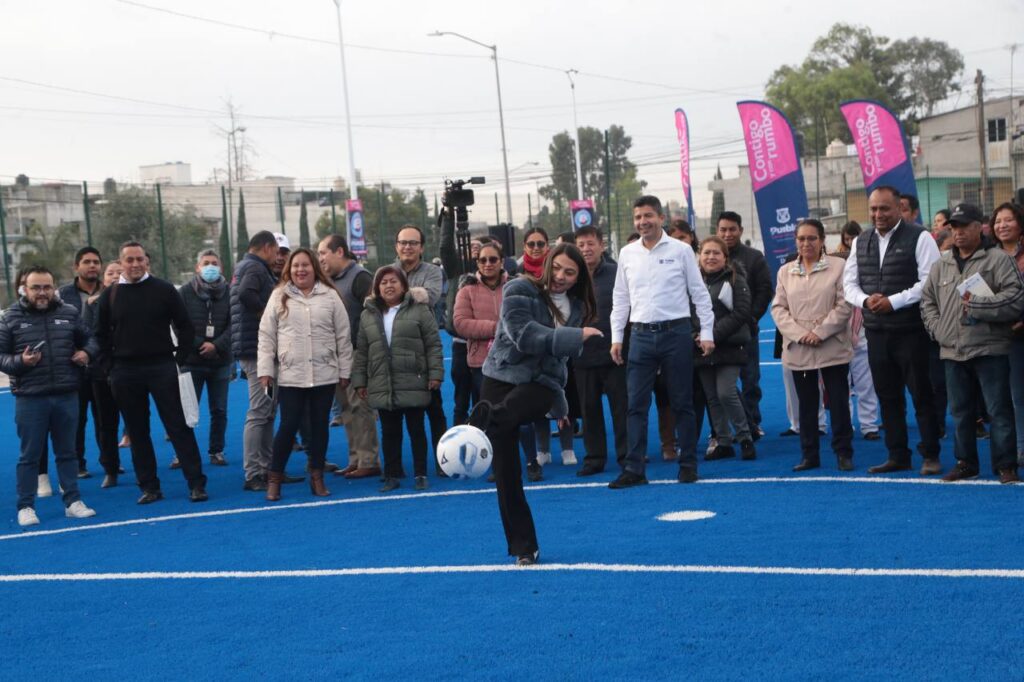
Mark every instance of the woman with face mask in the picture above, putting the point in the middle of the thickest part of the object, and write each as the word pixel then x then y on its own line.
pixel 210 361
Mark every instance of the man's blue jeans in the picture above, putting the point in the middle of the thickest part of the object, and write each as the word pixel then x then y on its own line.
pixel 671 351
pixel 36 418
pixel 216 380
pixel 990 374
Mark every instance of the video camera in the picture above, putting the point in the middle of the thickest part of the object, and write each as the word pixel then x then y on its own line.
pixel 455 200
pixel 455 194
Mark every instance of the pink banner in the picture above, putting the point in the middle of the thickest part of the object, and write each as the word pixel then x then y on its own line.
pixel 683 135
pixel 770 148
pixel 878 137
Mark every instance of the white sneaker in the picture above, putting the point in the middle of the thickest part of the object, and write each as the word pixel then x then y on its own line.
pixel 27 517
pixel 78 510
pixel 543 458
pixel 712 444
pixel 44 489
pixel 568 458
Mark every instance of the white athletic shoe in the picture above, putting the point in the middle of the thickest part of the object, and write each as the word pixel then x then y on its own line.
pixel 78 510
pixel 44 489
pixel 543 458
pixel 568 458
pixel 712 444
pixel 27 517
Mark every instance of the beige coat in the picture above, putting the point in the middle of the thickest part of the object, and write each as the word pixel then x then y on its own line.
pixel 311 344
pixel 813 303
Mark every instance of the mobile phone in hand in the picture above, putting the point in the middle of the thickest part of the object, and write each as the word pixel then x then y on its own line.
pixel 268 390
pixel 38 346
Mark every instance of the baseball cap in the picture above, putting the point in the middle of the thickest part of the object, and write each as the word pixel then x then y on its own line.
pixel 965 214
pixel 282 241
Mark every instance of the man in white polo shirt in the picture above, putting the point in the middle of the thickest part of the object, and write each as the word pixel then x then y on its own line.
pixel 656 281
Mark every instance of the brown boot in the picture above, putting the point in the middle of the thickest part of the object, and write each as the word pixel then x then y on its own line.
pixel 274 480
pixel 316 483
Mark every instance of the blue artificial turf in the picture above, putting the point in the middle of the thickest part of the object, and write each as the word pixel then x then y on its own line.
pixel 560 624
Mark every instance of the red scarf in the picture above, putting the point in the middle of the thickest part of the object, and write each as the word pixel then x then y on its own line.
pixel 534 266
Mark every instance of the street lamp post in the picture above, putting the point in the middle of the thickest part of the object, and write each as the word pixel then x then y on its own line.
pixel 231 143
pixel 576 136
pixel 353 192
pixel 501 112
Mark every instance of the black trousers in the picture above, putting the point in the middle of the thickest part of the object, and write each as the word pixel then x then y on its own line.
pixel 592 383
pixel 297 404
pixel 937 375
pixel 438 422
pixel 85 400
pixel 898 361
pixel 391 440
pixel 132 386
pixel 462 378
pixel 512 405
pixel 837 386
pixel 106 418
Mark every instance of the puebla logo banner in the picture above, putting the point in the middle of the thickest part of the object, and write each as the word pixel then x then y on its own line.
pixel 683 134
pixel 881 145
pixel 776 177
pixel 356 227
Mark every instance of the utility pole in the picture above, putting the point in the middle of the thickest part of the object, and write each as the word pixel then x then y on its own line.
pixel 607 181
pixel 979 80
pixel 576 137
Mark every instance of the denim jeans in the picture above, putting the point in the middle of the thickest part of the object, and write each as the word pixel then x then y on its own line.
pixel 990 374
pixel 36 418
pixel 1017 391
pixel 671 351
pixel 217 380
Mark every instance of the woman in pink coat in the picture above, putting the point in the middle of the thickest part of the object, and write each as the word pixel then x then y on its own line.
pixel 478 308
pixel 813 317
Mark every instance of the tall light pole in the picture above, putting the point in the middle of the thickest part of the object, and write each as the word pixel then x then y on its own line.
pixel 501 112
pixel 229 136
pixel 576 136
pixel 353 192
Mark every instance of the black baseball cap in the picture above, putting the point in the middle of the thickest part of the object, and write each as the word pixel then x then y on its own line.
pixel 965 214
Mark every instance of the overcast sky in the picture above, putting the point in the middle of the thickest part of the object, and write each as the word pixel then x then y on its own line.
pixel 419 117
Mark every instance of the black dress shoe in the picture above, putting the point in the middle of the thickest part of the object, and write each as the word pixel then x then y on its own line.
pixel 720 452
pixel 845 464
pixel 889 466
pixel 256 484
pixel 389 485
pixel 872 435
pixel 150 496
pixel 528 559
pixel 789 432
pixel 627 479
pixel 198 494
pixel 687 475
pixel 806 464
pixel 109 481
pixel 589 470
pixel 293 479
pixel 747 450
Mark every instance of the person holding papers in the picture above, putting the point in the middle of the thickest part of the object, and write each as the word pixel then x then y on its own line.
pixel 969 303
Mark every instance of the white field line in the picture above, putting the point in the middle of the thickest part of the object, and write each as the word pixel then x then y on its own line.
pixel 487 491
pixel 1004 573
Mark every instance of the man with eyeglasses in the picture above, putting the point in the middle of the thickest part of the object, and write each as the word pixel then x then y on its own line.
pixel 409 245
pixel 44 344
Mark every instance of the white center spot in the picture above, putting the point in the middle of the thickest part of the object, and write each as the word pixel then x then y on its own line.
pixel 686 516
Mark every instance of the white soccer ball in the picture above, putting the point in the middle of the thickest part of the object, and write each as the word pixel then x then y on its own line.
pixel 465 452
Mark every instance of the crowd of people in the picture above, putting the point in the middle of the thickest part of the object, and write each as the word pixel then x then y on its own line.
pixel 323 342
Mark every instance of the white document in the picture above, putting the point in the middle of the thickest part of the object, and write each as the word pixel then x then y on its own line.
pixel 725 295
pixel 976 285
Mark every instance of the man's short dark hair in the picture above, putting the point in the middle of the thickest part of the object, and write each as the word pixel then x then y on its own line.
pixel 84 251
pixel 651 201
pixel 262 239
pixel 38 270
pixel 912 201
pixel 337 241
pixel 590 231
pixel 681 225
pixel 410 226
pixel 890 189
pixel 131 244
pixel 731 216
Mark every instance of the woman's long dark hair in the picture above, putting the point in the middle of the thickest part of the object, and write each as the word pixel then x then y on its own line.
pixel 286 274
pixel 1015 209
pixel 583 289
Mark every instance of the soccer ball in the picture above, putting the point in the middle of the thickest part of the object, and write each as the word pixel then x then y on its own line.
pixel 465 452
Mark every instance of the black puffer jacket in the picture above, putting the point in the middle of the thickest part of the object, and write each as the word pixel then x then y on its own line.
pixel 596 350
pixel 732 330
pixel 251 286
pixel 64 331
pixel 208 306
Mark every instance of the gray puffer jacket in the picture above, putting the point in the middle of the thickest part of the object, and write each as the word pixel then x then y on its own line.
pixel 64 332
pixel 528 347
pixel 984 327
pixel 397 375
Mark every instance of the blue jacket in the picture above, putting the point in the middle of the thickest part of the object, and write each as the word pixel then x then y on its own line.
pixel 64 331
pixel 528 348
pixel 251 286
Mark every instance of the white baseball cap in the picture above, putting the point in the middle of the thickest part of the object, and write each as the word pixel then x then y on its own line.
pixel 282 241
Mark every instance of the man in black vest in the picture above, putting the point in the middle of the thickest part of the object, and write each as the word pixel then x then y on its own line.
pixel 354 283
pixel 884 276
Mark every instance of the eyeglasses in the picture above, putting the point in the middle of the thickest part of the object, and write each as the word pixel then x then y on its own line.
pixel 408 242
pixel 40 287
pixel 488 260
pixel 808 238
pixel 536 245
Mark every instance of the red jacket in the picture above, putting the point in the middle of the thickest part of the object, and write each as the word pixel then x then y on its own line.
pixel 477 310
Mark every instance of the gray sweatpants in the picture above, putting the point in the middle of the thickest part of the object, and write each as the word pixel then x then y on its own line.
pixel 258 436
pixel 719 384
